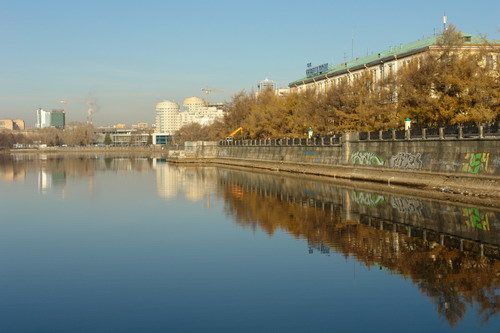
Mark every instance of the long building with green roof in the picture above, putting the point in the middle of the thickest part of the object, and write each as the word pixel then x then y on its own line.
pixel 385 62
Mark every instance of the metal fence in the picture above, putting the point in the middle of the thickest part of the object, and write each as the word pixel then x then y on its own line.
pixel 446 132
pixel 314 141
pixel 459 132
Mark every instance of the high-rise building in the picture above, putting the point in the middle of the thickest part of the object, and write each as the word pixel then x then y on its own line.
pixel 54 118
pixel 170 118
pixel 167 117
pixel 57 119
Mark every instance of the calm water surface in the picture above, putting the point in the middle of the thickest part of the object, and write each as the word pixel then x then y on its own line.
pixel 132 244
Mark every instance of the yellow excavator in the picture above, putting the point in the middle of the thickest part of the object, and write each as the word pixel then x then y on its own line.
pixel 230 137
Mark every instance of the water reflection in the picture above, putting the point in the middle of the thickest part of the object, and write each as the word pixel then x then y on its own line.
pixel 193 182
pixel 449 251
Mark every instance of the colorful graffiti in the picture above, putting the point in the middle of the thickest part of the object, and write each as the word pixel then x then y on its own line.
pixel 311 155
pixel 476 162
pixel 403 160
pixel 476 219
pixel 366 158
pixel 367 199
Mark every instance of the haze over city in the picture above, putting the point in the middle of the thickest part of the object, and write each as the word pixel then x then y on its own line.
pixel 129 56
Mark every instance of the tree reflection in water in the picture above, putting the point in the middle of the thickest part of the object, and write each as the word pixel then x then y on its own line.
pixel 346 221
pixel 449 277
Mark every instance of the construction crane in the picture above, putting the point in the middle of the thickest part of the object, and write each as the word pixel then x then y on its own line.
pixel 90 105
pixel 230 136
pixel 207 92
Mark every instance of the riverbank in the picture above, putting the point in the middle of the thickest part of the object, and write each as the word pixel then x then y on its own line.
pixel 464 168
pixel 160 152
pixel 480 191
pixel 471 188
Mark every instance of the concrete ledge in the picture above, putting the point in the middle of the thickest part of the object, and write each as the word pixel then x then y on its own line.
pixel 480 190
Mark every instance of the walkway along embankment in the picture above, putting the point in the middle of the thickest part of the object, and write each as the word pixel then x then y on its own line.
pixel 446 162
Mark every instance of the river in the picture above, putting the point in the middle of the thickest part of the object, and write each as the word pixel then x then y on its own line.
pixel 130 243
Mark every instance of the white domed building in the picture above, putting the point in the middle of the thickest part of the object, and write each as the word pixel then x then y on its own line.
pixel 167 117
pixel 170 117
pixel 193 103
pixel 194 110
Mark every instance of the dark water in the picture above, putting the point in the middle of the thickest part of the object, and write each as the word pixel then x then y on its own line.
pixel 132 244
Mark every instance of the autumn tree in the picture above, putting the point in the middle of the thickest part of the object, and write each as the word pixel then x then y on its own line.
pixel 440 87
pixel 78 134
pixel 448 86
pixel 192 132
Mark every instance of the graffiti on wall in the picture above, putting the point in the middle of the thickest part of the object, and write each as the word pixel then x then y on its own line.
pixel 496 162
pixel 311 155
pixel 449 165
pixel 222 153
pixel 407 206
pixel 367 199
pixel 476 163
pixel 403 160
pixel 474 218
pixel 366 158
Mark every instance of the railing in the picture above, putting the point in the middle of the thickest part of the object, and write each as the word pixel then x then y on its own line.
pixel 447 132
pixel 315 141
pixel 458 132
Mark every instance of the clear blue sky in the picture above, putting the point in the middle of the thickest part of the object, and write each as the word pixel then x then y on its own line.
pixel 130 55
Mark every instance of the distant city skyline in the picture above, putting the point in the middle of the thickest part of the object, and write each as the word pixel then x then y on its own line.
pixel 127 57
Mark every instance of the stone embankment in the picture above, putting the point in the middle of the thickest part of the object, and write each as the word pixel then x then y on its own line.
pixel 454 165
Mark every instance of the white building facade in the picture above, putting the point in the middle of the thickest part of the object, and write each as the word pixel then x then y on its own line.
pixel 42 118
pixel 170 117
pixel 167 117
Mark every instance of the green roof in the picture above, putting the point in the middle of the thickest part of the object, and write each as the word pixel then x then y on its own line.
pixel 390 54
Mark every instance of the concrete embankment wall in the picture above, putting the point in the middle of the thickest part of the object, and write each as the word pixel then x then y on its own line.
pixel 460 157
pixel 466 166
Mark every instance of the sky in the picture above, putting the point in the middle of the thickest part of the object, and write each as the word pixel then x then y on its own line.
pixel 127 56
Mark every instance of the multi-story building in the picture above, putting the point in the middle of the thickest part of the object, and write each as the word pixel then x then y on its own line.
pixel 122 136
pixel 170 117
pixel 382 64
pixel 54 118
pixel 12 124
pixel 195 111
pixel 268 84
pixel 167 117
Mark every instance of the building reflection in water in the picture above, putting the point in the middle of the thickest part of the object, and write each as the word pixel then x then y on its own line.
pixel 451 252
pixel 53 171
pixel 192 182
pixel 10 170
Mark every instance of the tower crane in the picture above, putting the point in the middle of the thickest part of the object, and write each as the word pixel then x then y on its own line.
pixel 90 106
pixel 207 92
